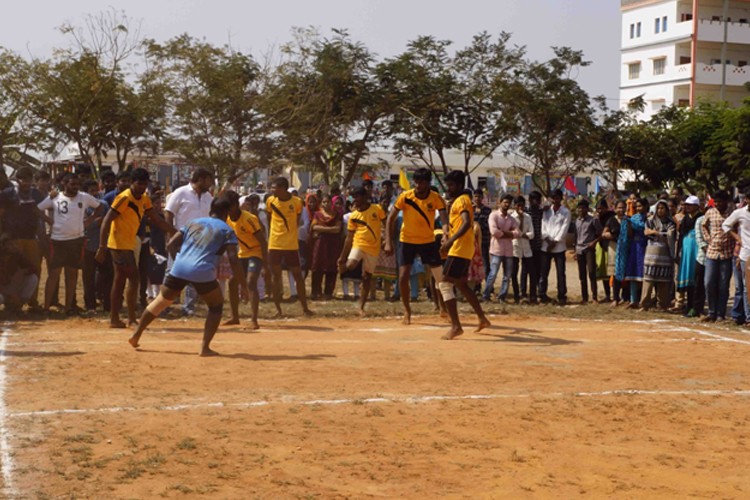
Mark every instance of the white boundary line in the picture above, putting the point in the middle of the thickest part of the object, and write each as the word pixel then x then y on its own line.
pixel 378 400
pixel 6 455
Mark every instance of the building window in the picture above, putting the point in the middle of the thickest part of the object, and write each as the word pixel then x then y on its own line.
pixel 716 62
pixel 715 18
pixel 632 31
pixel 683 103
pixel 743 20
pixel 634 71
pixel 664 24
pixel 741 64
pixel 657 25
pixel 686 17
pixel 660 65
pixel 638 30
pixel 685 60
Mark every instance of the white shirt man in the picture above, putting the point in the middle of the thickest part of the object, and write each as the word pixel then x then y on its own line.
pixel 68 213
pixel 187 204
pixel 741 218
pixel 555 224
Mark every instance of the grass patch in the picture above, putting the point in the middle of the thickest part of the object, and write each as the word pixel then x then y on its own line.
pixel 187 444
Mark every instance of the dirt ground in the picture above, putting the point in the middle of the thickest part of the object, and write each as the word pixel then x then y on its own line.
pixel 328 408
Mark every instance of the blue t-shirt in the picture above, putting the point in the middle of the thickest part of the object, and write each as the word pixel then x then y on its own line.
pixel 202 244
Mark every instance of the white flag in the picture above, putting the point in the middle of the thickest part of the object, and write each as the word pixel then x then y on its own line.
pixel 503 182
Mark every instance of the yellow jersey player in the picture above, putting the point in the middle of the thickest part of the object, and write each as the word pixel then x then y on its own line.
pixel 118 234
pixel 459 243
pixel 417 233
pixel 284 212
pixel 252 247
pixel 363 241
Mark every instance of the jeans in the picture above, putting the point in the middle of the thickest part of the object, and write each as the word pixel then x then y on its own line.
pixel 562 288
pixel 507 263
pixel 739 304
pixel 745 287
pixel 587 267
pixel 534 270
pixel 525 264
pixel 718 274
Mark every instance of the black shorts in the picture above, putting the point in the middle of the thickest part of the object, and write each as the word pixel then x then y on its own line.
pixel 288 258
pixel 67 253
pixel 123 258
pixel 178 284
pixel 252 264
pixel 428 252
pixel 456 268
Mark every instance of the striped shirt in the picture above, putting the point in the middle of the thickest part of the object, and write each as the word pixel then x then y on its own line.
pixel 720 244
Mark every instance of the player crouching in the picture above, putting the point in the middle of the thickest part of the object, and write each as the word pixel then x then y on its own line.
pixel 363 241
pixel 198 246
pixel 459 243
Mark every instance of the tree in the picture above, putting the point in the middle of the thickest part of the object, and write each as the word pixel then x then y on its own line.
pixel 556 126
pixel 213 104
pixel 455 102
pixel 19 132
pixel 78 88
pixel 328 102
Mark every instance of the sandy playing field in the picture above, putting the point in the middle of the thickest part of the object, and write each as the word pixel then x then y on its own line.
pixel 328 408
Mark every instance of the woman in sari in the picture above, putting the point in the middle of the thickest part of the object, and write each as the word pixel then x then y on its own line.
pixel 688 253
pixel 658 270
pixel 631 249
pixel 326 240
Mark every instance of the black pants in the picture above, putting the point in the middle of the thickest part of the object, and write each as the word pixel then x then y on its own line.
pixel 699 298
pixel 317 283
pixel 534 272
pixel 89 280
pixel 587 268
pixel 105 275
pixel 486 258
pixel 524 266
pixel 562 288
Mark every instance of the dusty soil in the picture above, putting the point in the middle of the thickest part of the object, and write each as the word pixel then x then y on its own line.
pixel 329 408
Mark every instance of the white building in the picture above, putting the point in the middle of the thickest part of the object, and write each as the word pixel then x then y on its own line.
pixel 672 51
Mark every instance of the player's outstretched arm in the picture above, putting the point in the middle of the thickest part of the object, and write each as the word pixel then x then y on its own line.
pixel 159 222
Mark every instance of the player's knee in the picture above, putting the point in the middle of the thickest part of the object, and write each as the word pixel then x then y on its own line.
pixel 159 304
pixel 446 289
pixel 216 308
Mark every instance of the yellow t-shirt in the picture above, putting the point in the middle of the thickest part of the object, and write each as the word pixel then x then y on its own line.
pixel 419 216
pixel 464 246
pixel 124 228
pixel 245 228
pixel 367 228
pixel 282 216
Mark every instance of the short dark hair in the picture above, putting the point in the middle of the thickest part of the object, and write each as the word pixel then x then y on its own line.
pixel 123 174
pixel 69 175
pixel 457 177
pixel 519 200
pixel 220 206
pixel 583 203
pixel 360 191
pixel 232 196
pixel 108 174
pixel 507 197
pixel 479 192
pixel 721 196
pixel 422 174
pixel 281 182
pixel 644 202
pixel 200 174
pixel 367 182
pixel 89 184
pixel 42 174
pixel 603 203
pixel 535 195
pixel 387 183
pixel 139 175
pixel 556 193
pixel 25 173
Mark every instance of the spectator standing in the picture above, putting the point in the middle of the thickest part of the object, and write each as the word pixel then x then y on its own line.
pixel 687 252
pixel 503 228
pixel 658 262
pixel 482 217
pixel 185 204
pixel 636 253
pixel 602 249
pixel 92 279
pixel 326 233
pixel 537 256
pixel 700 265
pixel 555 225
pixel 738 226
pixel 522 253
pixel 588 233
pixel 718 257
pixel 610 236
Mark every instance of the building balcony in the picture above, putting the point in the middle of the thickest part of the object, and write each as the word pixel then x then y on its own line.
pixel 710 74
pixel 713 31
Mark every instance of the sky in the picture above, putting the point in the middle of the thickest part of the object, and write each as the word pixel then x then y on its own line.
pixel 385 26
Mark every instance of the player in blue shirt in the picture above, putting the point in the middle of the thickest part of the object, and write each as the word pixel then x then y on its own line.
pixel 200 244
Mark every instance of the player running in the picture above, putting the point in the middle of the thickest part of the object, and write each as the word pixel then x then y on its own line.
pixel 196 249
pixel 252 254
pixel 417 233
pixel 459 243
pixel 284 212
pixel 363 241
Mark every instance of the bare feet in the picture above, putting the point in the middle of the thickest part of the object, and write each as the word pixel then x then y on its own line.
pixel 308 312
pixel 443 313
pixel 453 333
pixel 278 315
pixel 483 323
pixel 362 313
pixel 133 341
pixel 132 322
pixel 205 353
pixel 117 324
pixel 231 321
pixel 254 325
pixel 407 319
pixel 615 303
